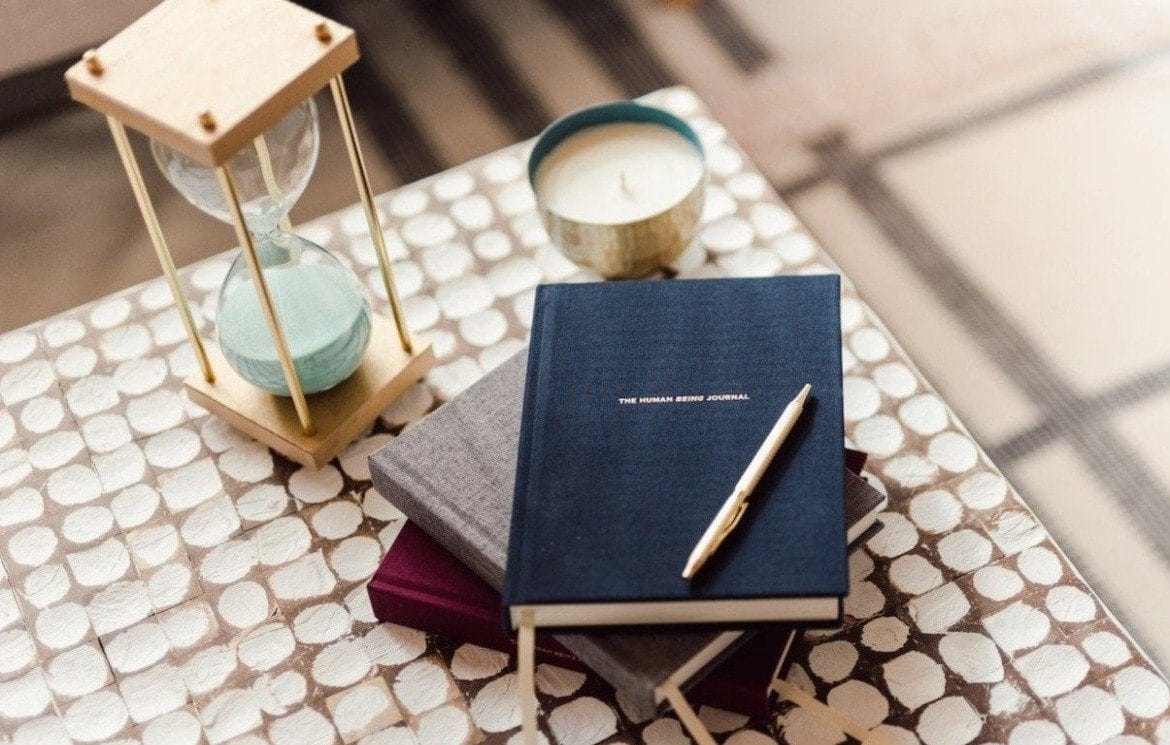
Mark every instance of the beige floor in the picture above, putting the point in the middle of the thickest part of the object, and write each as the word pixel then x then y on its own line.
pixel 993 176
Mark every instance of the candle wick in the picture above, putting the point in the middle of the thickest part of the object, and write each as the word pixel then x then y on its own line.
pixel 624 184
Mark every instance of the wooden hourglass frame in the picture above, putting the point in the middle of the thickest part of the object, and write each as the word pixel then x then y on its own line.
pixel 208 78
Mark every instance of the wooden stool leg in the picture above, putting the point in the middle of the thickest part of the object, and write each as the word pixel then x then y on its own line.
pixel 526 676
pixel 682 709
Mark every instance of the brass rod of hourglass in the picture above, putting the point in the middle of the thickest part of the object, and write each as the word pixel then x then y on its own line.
pixel 161 250
pixel 349 131
pixel 231 194
pixel 269 175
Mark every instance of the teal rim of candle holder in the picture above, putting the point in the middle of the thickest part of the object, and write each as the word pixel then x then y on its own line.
pixel 606 113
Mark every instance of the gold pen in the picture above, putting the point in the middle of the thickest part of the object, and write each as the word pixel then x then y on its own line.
pixel 733 508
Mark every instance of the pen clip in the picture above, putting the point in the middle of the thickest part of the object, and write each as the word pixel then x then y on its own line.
pixel 709 547
pixel 730 524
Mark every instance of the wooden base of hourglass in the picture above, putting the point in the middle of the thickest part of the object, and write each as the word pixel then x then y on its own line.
pixel 340 414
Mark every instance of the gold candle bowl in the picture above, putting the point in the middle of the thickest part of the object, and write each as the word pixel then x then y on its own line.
pixel 624 249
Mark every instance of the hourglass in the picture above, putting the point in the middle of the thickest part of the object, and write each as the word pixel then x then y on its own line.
pixel 224 90
pixel 323 314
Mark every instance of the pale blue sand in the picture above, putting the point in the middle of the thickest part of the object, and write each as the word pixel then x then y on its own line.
pixel 325 318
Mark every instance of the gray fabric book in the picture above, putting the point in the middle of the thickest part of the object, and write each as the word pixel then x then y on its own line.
pixel 453 474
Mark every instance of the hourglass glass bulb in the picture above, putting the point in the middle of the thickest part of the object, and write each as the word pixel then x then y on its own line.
pixel 270 174
pixel 325 316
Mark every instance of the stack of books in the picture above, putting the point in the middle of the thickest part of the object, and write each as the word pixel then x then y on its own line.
pixel 577 482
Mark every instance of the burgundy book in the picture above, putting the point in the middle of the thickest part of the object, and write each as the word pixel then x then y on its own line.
pixel 421 585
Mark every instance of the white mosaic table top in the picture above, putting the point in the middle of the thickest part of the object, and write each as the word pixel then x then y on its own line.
pixel 163 579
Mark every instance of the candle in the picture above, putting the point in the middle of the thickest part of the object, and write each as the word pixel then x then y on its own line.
pixel 619 186
pixel 618 173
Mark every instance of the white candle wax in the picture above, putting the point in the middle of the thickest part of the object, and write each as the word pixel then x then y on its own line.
pixel 617 173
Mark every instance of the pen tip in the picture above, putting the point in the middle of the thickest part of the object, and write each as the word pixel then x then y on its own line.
pixel 800 397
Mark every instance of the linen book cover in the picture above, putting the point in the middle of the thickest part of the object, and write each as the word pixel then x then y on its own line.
pixel 644 402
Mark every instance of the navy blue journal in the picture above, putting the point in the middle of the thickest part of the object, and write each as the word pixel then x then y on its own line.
pixel 643 404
